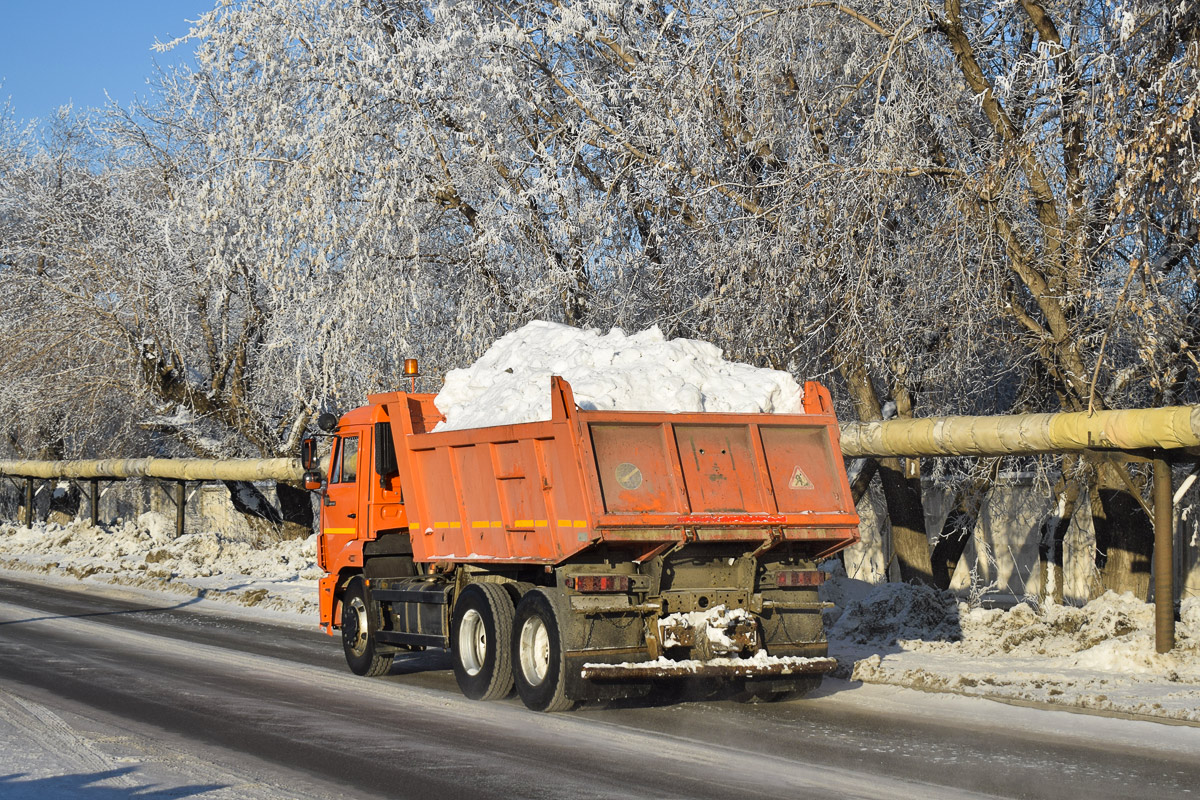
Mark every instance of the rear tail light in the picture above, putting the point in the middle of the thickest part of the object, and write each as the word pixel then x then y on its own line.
pixel 799 577
pixel 599 583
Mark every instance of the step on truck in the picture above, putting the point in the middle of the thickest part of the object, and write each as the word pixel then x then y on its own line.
pixel 594 555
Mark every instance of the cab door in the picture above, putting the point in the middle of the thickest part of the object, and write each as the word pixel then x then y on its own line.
pixel 341 517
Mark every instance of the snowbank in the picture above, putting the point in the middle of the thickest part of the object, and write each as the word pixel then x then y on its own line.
pixel 885 614
pixel 1100 656
pixel 644 371
pixel 144 553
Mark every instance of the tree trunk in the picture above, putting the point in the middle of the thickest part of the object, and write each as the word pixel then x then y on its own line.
pixel 64 503
pixel 861 481
pixel 262 517
pixel 951 542
pixel 901 480
pixel 1050 550
pixel 960 525
pixel 1124 536
pixel 907 514
pixel 860 484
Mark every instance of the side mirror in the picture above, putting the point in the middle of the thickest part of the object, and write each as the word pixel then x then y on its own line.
pixel 327 422
pixel 308 453
pixel 313 481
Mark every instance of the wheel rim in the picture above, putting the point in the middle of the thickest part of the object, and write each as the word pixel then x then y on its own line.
pixel 354 625
pixel 535 651
pixel 472 642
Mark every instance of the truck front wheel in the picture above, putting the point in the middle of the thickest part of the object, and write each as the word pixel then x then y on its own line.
pixel 360 620
pixel 538 656
pixel 480 633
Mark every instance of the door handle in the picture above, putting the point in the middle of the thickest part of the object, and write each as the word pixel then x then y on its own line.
pixel 352 516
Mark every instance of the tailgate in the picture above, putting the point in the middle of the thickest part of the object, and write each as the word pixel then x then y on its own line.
pixel 723 476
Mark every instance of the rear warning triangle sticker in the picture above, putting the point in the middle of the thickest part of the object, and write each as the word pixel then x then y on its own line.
pixel 799 480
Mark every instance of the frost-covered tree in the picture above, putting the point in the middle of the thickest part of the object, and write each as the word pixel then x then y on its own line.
pixel 955 207
pixel 66 387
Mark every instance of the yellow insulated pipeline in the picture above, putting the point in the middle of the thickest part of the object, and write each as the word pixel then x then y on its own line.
pixel 1134 429
pixel 1021 434
pixel 179 469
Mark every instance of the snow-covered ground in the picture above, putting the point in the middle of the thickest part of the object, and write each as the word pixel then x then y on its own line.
pixel 238 570
pixel 1099 657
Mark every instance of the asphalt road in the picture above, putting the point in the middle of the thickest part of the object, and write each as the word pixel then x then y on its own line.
pixel 246 709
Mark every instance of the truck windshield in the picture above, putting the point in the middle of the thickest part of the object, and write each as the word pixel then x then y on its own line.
pixel 345 469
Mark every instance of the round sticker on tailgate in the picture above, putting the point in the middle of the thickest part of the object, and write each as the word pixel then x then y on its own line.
pixel 629 476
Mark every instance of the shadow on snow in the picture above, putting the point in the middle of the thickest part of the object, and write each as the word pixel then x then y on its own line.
pixel 88 786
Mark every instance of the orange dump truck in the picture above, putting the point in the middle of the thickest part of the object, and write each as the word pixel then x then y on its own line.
pixel 589 556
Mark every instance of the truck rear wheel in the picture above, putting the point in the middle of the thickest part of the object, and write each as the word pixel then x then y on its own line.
pixel 539 663
pixel 480 633
pixel 360 620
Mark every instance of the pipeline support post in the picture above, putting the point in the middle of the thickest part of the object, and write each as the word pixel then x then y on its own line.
pixel 180 499
pixel 1164 558
pixel 29 502
pixel 94 500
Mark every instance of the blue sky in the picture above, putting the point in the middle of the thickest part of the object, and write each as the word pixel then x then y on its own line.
pixel 53 52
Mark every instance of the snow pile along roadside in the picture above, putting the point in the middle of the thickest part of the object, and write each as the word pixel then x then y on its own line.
pixel 236 568
pixel 1100 656
pixel 892 612
pixel 644 371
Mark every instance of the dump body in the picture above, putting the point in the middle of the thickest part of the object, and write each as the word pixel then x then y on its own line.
pixel 542 492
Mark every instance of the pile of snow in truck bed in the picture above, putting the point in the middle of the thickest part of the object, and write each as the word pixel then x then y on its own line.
pixel 644 371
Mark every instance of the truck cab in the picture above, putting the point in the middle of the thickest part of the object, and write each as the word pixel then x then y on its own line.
pixel 362 514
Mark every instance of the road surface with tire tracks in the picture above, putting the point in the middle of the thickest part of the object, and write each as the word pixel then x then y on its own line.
pixel 105 696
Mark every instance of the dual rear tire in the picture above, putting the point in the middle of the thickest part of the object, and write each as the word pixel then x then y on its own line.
pixel 480 631
pixel 496 647
pixel 538 655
